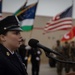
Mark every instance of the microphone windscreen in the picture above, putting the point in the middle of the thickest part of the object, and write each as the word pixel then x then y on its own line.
pixel 33 43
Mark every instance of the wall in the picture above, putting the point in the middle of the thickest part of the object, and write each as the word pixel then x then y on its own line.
pixel 48 39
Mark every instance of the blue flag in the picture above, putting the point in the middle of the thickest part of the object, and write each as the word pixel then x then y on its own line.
pixel 26 16
pixel 27 12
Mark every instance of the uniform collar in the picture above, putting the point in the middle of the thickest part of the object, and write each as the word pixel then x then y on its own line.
pixel 5 51
pixel 10 51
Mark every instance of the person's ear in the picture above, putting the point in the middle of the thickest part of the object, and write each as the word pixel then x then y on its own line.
pixel 2 37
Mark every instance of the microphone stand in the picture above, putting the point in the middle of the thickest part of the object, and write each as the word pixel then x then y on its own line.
pixel 62 61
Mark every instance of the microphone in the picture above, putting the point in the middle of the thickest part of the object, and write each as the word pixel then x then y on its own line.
pixel 35 43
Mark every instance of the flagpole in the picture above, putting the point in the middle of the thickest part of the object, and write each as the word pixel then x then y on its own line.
pixel 31 33
pixel 72 2
pixel 72 9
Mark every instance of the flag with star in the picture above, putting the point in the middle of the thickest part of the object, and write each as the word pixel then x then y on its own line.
pixel 62 21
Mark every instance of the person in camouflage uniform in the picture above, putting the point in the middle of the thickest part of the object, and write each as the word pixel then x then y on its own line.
pixel 59 65
pixel 66 53
pixel 72 55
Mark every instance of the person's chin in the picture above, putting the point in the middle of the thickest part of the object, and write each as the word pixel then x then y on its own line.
pixel 17 46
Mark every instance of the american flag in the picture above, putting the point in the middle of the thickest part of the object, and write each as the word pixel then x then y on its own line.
pixel 62 21
pixel 0 9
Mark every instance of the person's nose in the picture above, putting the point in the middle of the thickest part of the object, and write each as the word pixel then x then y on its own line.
pixel 20 36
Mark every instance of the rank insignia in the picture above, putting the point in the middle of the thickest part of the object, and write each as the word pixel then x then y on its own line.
pixel 7 53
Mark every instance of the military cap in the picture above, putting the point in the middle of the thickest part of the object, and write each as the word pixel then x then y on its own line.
pixel 72 41
pixel 66 42
pixel 9 23
pixel 58 41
